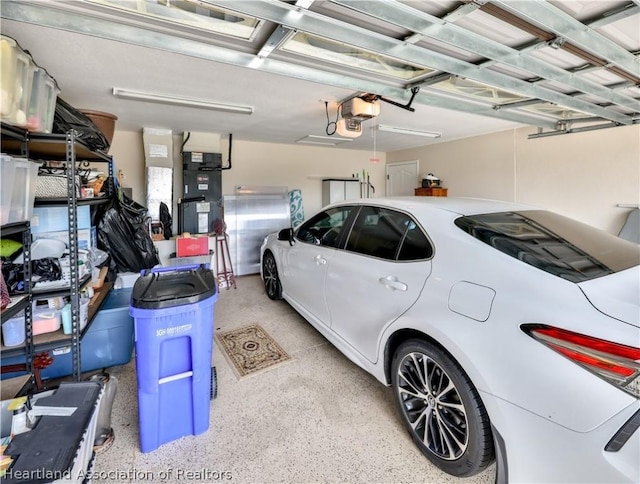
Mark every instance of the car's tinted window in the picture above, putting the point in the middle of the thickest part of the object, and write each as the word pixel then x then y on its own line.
pixel 325 227
pixel 553 243
pixel 415 245
pixel 380 232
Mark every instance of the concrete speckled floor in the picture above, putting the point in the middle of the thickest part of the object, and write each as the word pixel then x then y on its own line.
pixel 317 418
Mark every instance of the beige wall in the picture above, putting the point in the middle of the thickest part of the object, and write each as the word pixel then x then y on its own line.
pixel 582 175
pixel 261 164
pixel 128 156
pixel 297 167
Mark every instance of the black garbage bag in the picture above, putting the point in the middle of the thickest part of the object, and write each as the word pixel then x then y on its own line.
pixel 122 232
pixel 66 118
pixel 165 218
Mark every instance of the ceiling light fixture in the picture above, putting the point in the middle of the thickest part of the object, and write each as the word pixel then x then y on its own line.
pixel 314 139
pixel 349 128
pixel 414 132
pixel 181 101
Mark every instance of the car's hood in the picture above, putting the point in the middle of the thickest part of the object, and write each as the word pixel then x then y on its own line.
pixel 617 295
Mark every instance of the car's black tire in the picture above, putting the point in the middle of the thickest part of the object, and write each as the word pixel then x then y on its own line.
pixel 272 284
pixel 458 436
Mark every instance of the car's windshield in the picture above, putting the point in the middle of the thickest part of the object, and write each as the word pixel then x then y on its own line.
pixel 554 243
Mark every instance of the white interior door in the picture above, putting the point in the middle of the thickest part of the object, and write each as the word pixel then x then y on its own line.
pixel 402 178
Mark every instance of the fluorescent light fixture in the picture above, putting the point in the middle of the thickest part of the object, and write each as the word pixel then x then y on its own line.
pixel 314 139
pixel 181 101
pixel 414 132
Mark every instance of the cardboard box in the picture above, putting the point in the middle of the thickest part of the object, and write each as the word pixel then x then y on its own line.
pixel 192 246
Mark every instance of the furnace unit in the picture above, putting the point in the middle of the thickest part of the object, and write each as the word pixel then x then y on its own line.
pixel 201 202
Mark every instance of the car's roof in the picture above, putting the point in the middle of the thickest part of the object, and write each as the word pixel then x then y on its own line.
pixel 460 205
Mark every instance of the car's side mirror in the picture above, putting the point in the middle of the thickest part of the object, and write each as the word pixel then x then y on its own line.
pixel 286 234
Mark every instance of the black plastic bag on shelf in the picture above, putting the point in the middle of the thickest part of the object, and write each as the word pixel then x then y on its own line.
pixel 67 117
pixel 122 232
pixel 46 269
pixel 165 218
pixel 42 270
pixel 13 275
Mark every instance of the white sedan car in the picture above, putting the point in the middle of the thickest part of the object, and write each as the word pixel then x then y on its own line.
pixel 506 332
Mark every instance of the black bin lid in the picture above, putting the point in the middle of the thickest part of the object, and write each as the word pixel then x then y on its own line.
pixel 175 286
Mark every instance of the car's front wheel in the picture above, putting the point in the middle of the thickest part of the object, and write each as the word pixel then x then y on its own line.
pixel 441 409
pixel 270 275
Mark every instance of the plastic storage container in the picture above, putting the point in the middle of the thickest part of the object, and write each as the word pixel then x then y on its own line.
pixel 8 51
pixel 42 105
pixel 87 238
pixel 107 342
pixel 45 320
pixel 173 321
pixel 20 182
pixel 7 174
pixel 13 330
pixel 16 83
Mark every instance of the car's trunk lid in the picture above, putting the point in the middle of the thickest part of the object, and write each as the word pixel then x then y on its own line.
pixel 616 295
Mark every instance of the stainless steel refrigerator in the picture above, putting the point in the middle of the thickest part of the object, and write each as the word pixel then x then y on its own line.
pixel 251 214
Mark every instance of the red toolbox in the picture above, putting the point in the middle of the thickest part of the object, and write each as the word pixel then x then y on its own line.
pixel 191 246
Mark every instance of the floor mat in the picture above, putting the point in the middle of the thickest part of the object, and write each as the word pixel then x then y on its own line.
pixel 250 349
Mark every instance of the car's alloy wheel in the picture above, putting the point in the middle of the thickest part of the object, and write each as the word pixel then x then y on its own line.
pixel 441 409
pixel 270 274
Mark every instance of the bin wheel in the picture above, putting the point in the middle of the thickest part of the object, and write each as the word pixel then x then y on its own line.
pixel 214 383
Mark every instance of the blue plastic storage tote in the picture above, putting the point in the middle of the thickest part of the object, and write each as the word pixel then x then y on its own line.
pixel 108 341
pixel 172 309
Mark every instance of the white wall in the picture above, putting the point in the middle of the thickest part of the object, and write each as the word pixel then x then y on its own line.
pixel 260 164
pixel 582 175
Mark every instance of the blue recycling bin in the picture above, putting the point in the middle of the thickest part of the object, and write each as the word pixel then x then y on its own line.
pixel 172 309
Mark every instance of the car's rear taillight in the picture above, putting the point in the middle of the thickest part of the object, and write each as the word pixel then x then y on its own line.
pixel 617 363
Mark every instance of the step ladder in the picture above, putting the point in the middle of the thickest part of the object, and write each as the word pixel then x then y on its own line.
pixel 224 268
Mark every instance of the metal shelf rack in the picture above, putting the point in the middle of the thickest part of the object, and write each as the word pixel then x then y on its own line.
pixel 70 149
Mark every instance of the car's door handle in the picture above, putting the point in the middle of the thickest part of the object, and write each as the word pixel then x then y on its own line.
pixel 392 282
pixel 320 260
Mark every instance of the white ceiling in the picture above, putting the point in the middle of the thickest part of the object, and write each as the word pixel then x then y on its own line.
pixel 87 66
